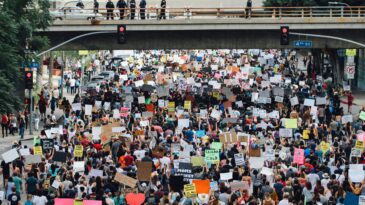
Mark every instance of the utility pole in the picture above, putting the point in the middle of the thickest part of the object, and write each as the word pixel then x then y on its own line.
pixel 50 69
pixel 62 70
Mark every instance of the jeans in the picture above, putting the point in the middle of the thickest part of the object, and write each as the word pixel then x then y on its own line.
pixel 21 132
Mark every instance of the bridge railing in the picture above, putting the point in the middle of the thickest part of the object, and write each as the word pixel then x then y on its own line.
pixel 191 13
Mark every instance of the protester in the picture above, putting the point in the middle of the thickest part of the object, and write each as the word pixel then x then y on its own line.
pixel 142 9
pixel 202 127
pixel 163 10
pixel 132 5
pixel 121 5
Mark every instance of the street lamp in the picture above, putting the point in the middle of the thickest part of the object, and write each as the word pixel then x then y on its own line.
pixel 341 4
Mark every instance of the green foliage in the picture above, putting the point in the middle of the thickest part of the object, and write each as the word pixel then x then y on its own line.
pixel 19 20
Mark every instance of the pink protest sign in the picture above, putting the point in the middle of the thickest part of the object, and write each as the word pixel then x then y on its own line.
pixel 298 156
pixel 361 136
pixel 60 201
pixel 91 202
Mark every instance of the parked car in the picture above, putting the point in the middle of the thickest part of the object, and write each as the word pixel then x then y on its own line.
pixel 108 75
pixel 74 12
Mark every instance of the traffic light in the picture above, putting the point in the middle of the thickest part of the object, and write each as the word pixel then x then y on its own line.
pixel 122 36
pixel 28 79
pixel 284 35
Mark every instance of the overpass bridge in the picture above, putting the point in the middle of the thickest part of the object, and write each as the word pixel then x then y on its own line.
pixel 199 28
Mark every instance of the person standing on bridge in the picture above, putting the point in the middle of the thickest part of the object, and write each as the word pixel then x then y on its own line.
pixel 132 5
pixel 248 9
pixel 96 6
pixel 121 5
pixel 80 4
pixel 109 10
pixel 142 6
pixel 163 9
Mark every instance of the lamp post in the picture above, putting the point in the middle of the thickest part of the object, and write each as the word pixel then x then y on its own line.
pixel 341 4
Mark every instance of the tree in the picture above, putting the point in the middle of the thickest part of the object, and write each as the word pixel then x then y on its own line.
pixel 19 21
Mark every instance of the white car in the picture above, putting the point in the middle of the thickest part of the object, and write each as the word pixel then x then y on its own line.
pixel 75 13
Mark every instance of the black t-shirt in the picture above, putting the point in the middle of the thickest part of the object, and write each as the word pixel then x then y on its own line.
pixel 14 199
pixel 6 168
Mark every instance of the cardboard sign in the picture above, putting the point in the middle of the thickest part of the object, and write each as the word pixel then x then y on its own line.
pixel 79 166
pixel 306 134
pixel 309 102
pixel 346 118
pixel 321 101
pixel 24 152
pixel 144 170
pixel 126 180
pixel 294 101
pixel 38 150
pixel 190 190
pixel 187 105
pixel 229 137
pixel 236 185
pixel 59 156
pixel 88 109
pixel 298 156
pixel 96 173
pixel 78 151
pixel 33 159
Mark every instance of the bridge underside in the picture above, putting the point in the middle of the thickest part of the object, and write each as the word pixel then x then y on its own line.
pixel 202 39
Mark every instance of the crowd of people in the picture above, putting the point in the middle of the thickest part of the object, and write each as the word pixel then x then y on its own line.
pixel 198 127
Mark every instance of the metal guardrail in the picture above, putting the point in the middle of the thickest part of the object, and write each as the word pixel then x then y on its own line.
pixel 239 12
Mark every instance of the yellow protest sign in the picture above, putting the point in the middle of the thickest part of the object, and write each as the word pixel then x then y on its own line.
pixel 78 152
pixel 83 52
pixel 190 190
pixel 359 144
pixel 38 150
pixel 187 104
pixel 291 123
pixel 171 106
pixel 306 134
pixel 216 95
pixel 350 52
pixel 325 146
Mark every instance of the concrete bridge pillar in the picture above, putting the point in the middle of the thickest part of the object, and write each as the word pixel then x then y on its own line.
pixel 361 69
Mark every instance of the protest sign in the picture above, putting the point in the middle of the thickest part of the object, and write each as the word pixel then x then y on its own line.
pixel 239 159
pixel 187 105
pixel 197 161
pixel 202 186
pixel 64 201
pixel 59 156
pixel 24 152
pixel 321 101
pixel 33 159
pixel 362 115
pixel 38 150
pixel 298 156
pixel 226 176
pixel 88 109
pixel 176 183
pixel 346 118
pixel 211 156
pixel 76 106
pixel 183 123
pixel 325 147
pixel 144 170
pixel 200 133
pixel 359 145
pixel 79 166
pixel 47 144
pixel 216 145
pixel 186 170
pixel 78 151
pixel 294 101
pixel 291 123
pixel 309 102
pixel 126 180
pixel 283 132
pixel 190 190
pixel 96 173
pixel 96 131
pixel 306 134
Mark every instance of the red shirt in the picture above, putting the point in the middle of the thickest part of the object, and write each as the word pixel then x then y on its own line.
pixel 128 160
pixel 97 146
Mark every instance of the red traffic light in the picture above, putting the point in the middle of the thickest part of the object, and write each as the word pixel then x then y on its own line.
pixel 121 29
pixel 29 75
pixel 284 30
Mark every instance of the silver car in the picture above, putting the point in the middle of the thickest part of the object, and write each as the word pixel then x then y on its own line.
pixel 74 13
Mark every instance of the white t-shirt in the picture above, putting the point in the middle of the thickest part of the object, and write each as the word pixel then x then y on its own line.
pixel 165 161
pixel 139 154
pixel 72 82
pixel 40 200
